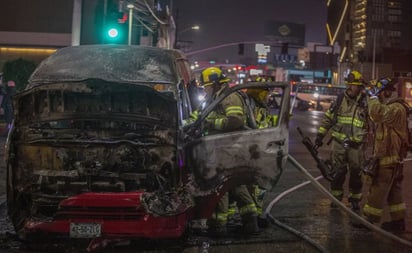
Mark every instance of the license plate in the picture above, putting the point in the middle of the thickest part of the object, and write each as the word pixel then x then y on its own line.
pixel 85 230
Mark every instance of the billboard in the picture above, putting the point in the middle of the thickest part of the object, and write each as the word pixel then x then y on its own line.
pixel 285 32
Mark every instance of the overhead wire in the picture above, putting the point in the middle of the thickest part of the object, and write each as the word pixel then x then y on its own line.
pixel 143 24
pixel 144 14
pixel 153 14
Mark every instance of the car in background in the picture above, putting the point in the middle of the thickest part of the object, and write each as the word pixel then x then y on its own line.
pixel 100 152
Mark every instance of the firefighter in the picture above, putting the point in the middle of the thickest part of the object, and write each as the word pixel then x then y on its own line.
pixel 263 119
pixel 230 115
pixel 347 121
pixel 259 103
pixel 257 100
pixel 390 115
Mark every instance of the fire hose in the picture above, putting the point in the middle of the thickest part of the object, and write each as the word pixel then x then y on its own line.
pixel 284 226
pixel 322 189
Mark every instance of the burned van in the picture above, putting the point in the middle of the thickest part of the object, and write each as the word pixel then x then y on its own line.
pixel 99 149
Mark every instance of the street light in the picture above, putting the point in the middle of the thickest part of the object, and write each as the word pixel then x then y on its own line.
pixel 194 27
pixel 178 33
pixel 129 39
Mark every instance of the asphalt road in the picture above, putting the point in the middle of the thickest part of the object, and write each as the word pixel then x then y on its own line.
pixel 303 220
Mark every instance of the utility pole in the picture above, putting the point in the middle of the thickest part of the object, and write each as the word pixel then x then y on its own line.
pixel 76 22
pixel 104 18
pixel 129 38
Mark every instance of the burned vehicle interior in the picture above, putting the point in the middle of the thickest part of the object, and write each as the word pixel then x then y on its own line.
pixel 91 128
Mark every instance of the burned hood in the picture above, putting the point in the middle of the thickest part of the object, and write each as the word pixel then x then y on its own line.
pixel 119 63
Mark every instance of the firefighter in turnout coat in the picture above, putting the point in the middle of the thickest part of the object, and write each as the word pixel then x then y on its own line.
pixel 389 113
pixel 347 122
pixel 230 115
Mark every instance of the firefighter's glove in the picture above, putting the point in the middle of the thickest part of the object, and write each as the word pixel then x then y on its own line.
pixel 209 122
pixel 319 141
pixel 369 170
pixel 373 91
pixel 370 167
pixel 194 115
pixel 346 143
pixel 192 118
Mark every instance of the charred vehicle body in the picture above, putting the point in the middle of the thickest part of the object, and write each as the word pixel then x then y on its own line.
pixel 98 148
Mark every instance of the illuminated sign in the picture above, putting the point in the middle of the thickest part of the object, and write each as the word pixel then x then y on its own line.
pixel 292 33
pixel 262 51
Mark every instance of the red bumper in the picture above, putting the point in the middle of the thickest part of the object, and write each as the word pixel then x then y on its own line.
pixel 120 215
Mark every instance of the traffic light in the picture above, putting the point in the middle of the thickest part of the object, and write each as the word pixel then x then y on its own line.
pixel 115 27
pixel 114 33
pixel 241 49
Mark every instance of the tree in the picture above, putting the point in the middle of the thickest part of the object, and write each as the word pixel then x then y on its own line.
pixel 19 71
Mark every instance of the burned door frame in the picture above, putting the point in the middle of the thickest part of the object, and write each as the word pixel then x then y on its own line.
pixel 246 156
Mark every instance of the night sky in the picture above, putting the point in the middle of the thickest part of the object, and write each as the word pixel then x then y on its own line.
pixel 221 21
pixel 226 21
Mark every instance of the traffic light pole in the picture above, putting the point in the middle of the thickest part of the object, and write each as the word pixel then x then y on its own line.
pixel 76 22
pixel 104 20
pixel 129 38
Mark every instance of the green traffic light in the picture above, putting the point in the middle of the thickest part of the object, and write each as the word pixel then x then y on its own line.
pixel 113 32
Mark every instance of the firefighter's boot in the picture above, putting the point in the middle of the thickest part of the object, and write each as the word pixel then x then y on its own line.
pixel 217 228
pixel 199 226
pixel 355 206
pixel 250 224
pixel 263 222
pixel 394 226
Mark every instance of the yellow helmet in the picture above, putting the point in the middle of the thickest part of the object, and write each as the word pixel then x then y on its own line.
pixel 354 78
pixel 211 76
pixel 260 95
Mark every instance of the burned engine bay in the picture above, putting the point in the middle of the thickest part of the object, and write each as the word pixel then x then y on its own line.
pixel 79 137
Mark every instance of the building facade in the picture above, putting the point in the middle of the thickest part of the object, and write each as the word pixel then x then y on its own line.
pixel 376 25
pixel 373 35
